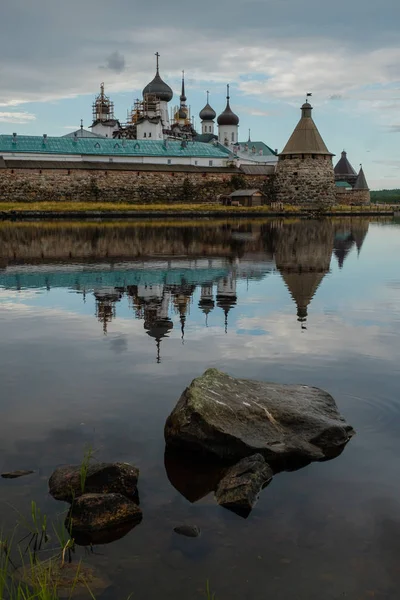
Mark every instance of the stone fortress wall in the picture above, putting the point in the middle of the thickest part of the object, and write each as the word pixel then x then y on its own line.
pixel 112 185
pixel 294 183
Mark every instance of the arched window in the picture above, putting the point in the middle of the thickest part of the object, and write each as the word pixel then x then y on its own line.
pixel 233 136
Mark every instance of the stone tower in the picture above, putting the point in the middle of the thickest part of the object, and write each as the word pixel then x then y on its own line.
pixel 304 173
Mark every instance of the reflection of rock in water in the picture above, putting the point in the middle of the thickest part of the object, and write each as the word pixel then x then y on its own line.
pixel 192 476
pixel 303 254
pixel 104 536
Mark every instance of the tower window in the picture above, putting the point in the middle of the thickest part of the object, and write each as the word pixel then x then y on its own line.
pixel 144 135
pixel 210 163
pixel 169 161
pixel 233 136
pixel 150 134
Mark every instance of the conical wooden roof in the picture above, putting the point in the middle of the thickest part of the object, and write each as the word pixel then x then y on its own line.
pixel 343 166
pixel 361 183
pixel 306 138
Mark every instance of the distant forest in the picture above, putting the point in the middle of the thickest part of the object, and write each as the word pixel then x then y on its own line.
pixel 389 196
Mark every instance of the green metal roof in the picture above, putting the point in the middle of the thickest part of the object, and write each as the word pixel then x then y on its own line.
pixel 106 146
pixel 267 151
pixel 342 184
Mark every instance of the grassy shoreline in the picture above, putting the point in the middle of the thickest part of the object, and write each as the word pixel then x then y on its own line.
pixel 21 210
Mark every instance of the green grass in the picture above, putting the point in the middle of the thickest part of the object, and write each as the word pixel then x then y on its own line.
pixel 106 207
pixel 87 457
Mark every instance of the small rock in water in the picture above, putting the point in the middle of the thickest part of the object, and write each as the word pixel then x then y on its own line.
pixel 101 478
pixel 15 474
pixel 239 489
pixel 96 512
pixel 188 530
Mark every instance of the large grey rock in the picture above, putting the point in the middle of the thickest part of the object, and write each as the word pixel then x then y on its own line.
pixel 233 418
pixel 69 482
pixel 239 489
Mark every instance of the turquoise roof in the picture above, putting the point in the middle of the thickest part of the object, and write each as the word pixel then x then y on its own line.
pixel 342 184
pixel 90 280
pixel 106 146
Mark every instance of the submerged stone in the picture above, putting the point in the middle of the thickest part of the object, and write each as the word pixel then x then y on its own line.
pixel 97 512
pixel 70 482
pixel 16 474
pixel 289 425
pixel 187 530
pixel 239 489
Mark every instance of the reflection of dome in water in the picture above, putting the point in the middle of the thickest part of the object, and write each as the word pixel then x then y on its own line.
pixel 158 330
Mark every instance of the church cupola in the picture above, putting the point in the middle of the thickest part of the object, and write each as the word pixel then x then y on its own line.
pixel 228 124
pixel 157 87
pixel 207 116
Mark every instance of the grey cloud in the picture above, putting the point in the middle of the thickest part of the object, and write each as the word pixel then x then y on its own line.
pixel 115 62
pixel 394 128
pixel 51 50
pixel 336 97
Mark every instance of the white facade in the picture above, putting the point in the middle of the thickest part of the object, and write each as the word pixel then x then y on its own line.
pixel 207 292
pixel 228 134
pixel 156 160
pixel 104 129
pixel 227 286
pixel 148 130
pixel 150 292
pixel 207 127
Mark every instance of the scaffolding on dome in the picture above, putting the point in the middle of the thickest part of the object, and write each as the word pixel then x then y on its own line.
pixel 102 107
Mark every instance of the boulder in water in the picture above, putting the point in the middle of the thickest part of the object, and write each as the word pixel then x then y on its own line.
pixel 289 425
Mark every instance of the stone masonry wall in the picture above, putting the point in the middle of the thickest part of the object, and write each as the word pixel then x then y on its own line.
pixel 357 197
pixel 305 180
pixel 78 185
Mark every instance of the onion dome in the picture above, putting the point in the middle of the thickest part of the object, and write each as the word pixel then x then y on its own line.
pixel 228 117
pixel 158 87
pixel 207 113
pixel 182 113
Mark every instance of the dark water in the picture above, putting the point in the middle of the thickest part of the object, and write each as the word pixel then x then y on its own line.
pixel 102 327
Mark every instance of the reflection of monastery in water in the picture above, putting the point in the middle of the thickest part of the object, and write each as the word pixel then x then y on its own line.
pixel 206 262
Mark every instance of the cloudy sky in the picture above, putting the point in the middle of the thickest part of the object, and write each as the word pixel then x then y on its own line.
pixel 347 53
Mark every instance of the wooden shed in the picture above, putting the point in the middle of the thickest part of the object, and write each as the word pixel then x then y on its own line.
pixel 247 198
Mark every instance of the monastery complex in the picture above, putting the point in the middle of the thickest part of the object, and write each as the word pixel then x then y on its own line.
pixel 120 161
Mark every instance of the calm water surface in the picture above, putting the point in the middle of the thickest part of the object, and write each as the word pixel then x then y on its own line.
pixel 102 327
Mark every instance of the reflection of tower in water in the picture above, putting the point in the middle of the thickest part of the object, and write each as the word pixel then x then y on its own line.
pixel 303 254
pixel 206 302
pixel 227 295
pixel 347 235
pixel 156 320
pixel 182 297
pixel 106 298
pixel 151 303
